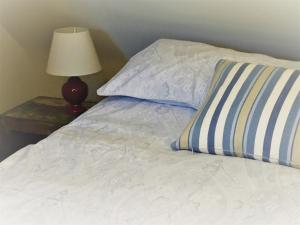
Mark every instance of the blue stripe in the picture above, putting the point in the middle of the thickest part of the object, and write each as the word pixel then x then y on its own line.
pixel 195 131
pixel 216 115
pixel 257 108
pixel 235 109
pixel 285 154
pixel 275 114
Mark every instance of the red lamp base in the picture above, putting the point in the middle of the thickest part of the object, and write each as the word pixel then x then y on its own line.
pixel 76 109
pixel 75 92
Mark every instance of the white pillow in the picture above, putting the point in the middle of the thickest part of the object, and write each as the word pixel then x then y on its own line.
pixel 177 72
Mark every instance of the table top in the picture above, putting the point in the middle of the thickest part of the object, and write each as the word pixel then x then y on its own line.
pixel 41 115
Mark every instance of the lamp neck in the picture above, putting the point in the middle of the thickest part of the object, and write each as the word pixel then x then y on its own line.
pixel 74 79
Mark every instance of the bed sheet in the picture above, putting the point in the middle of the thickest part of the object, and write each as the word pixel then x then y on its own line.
pixel 114 166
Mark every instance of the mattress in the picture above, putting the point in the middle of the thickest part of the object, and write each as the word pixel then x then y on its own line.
pixel 114 166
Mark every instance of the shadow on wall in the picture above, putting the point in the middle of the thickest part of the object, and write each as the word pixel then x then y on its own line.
pixel 111 58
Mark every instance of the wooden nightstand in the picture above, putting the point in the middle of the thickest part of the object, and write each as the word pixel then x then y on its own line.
pixel 32 121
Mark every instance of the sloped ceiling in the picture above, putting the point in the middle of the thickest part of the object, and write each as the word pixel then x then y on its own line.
pixel 267 26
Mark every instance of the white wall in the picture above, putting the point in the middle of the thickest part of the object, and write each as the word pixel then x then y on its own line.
pixel 127 26
pixel 267 26
pixel 21 73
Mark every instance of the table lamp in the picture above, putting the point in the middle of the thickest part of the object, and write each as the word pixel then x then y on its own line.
pixel 73 54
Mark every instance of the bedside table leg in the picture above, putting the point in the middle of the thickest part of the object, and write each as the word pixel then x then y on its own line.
pixel 11 141
pixel 5 145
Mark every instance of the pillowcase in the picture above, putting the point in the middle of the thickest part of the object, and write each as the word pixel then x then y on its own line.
pixel 253 112
pixel 176 72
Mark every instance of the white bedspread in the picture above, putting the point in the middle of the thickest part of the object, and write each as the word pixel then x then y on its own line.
pixel 114 166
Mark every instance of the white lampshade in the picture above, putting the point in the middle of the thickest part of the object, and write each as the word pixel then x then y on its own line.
pixel 72 53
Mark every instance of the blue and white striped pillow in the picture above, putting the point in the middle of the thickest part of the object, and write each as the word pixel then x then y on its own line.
pixel 253 112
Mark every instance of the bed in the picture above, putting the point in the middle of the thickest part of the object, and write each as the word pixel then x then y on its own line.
pixel 114 165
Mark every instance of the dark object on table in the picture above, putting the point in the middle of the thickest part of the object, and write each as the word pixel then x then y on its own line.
pixel 75 92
